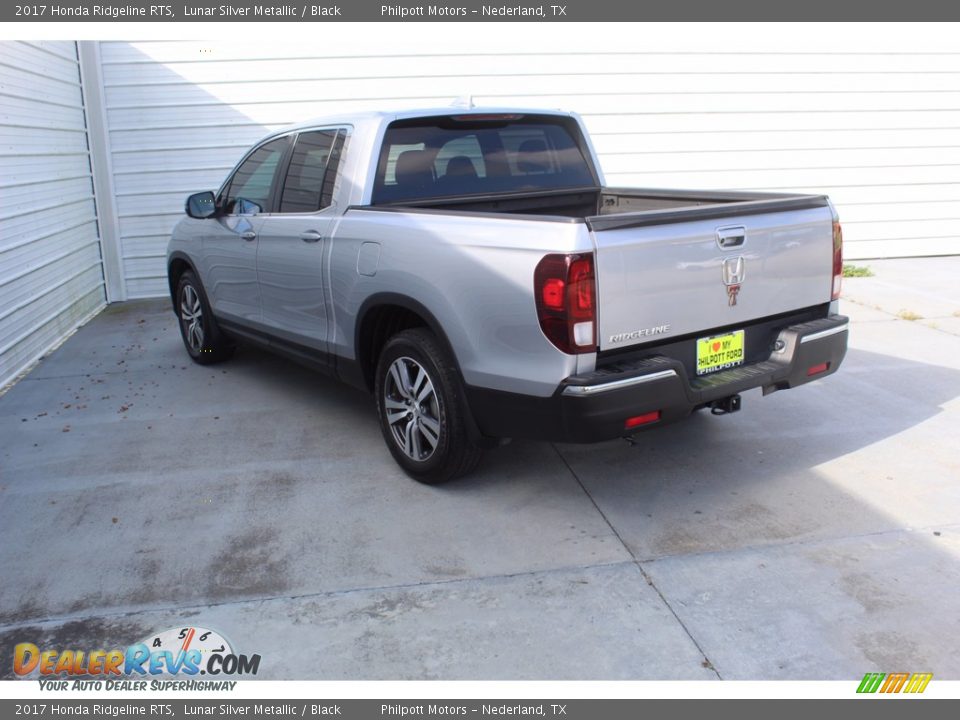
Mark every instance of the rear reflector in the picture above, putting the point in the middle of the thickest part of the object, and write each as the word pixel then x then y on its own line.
pixel 642 419
pixel 817 369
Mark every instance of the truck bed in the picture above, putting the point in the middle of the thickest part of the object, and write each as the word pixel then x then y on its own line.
pixel 666 258
pixel 606 208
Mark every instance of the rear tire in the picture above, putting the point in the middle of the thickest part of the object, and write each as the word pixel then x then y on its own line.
pixel 201 336
pixel 421 408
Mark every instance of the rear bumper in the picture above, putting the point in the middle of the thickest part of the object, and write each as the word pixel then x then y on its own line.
pixel 595 406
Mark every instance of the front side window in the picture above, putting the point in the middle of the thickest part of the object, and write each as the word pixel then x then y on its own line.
pixel 308 186
pixel 249 189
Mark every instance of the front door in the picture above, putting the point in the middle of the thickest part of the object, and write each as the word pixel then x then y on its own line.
pixel 231 237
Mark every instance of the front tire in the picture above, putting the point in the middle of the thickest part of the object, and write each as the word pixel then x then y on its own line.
pixel 201 336
pixel 421 409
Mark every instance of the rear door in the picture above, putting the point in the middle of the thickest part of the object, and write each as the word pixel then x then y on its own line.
pixel 668 278
pixel 295 240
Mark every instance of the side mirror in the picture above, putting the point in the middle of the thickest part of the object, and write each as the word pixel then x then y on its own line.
pixel 201 205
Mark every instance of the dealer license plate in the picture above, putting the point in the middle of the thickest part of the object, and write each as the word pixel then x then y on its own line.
pixel 719 352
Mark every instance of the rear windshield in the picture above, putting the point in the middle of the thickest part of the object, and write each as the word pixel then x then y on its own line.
pixel 450 157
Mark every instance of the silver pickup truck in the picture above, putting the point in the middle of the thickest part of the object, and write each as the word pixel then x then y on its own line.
pixel 472 270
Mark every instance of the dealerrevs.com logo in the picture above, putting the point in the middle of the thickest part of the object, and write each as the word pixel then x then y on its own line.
pixel 187 651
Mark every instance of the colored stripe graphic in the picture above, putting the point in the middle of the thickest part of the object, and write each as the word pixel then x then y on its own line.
pixel 870 682
pixel 894 682
pixel 918 682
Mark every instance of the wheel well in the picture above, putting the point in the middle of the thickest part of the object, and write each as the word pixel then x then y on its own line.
pixel 177 267
pixel 377 327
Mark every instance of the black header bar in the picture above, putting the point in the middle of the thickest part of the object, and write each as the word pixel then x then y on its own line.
pixel 472 11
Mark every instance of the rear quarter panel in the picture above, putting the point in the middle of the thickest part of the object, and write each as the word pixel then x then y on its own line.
pixel 474 274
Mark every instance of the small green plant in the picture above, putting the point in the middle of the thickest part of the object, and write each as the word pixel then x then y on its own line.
pixel 856 271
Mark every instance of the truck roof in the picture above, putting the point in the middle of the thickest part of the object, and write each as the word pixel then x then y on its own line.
pixel 378 117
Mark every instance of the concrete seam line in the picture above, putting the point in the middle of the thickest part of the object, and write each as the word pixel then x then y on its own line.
pixel 893 316
pixel 803 543
pixel 127 612
pixel 636 561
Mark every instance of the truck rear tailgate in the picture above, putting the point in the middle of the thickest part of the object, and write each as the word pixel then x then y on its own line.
pixel 664 277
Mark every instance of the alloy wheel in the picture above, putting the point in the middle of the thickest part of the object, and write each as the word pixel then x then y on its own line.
pixel 412 409
pixel 191 315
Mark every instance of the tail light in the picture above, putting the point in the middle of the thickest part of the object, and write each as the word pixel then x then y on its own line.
pixel 837 260
pixel 566 296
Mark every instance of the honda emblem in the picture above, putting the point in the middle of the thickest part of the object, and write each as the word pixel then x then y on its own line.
pixel 734 271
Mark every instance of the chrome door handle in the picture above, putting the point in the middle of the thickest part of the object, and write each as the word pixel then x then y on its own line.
pixel 311 236
pixel 249 235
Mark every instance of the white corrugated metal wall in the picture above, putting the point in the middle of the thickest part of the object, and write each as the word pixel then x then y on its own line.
pixel 879 132
pixel 51 277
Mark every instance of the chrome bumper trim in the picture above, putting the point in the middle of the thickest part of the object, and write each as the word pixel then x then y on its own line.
pixel 588 390
pixel 824 333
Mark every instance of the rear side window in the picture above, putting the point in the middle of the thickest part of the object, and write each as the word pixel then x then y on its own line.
pixel 308 186
pixel 451 157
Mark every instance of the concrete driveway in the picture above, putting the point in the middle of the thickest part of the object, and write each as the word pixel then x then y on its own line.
pixel 814 535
